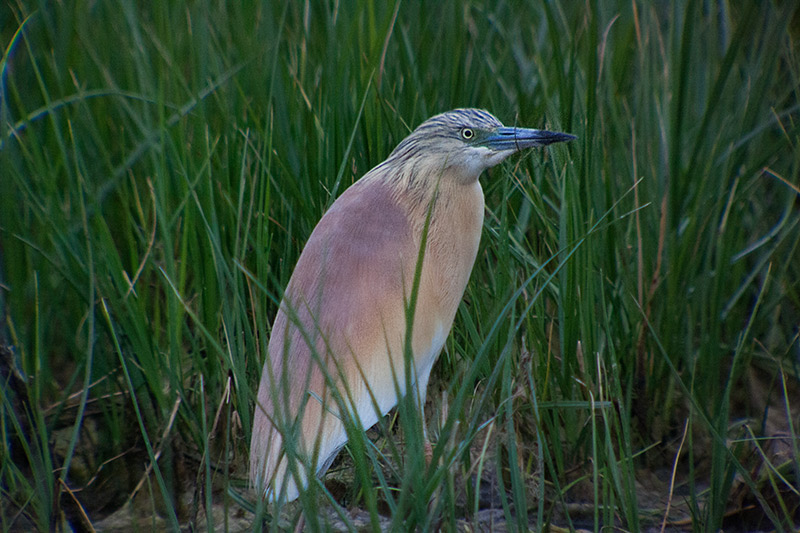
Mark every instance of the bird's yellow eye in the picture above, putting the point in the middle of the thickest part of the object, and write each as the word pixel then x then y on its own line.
pixel 467 133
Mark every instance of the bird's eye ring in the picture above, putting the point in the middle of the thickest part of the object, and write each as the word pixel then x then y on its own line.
pixel 467 133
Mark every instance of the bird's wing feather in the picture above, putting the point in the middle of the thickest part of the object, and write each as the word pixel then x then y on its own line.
pixel 343 312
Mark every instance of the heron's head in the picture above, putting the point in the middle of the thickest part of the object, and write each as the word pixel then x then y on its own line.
pixel 468 141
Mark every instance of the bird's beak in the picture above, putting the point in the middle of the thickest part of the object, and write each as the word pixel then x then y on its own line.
pixel 511 138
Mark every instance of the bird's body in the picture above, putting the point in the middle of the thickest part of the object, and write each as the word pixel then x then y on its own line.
pixel 343 319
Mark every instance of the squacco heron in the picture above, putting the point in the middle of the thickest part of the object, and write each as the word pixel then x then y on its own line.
pixel 414 219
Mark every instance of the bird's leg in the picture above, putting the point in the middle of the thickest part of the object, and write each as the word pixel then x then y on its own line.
pixel 428 452
pixel 426 441
pixel 419 398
